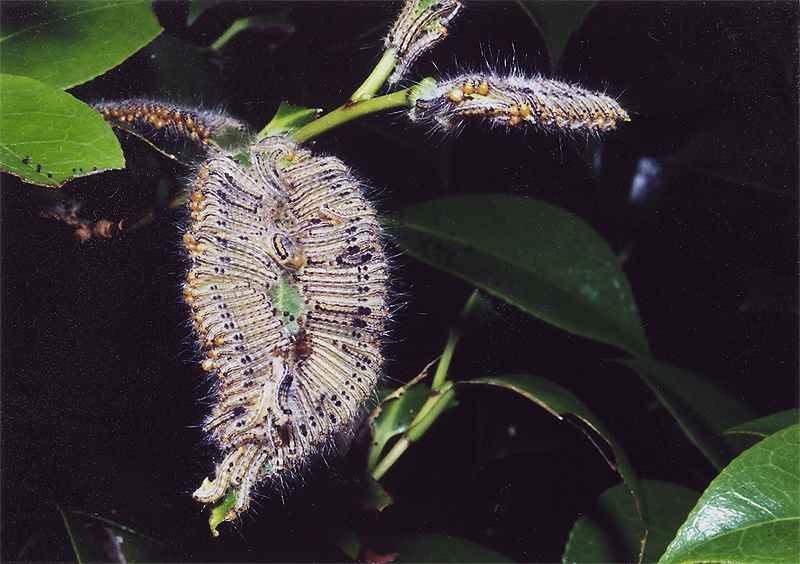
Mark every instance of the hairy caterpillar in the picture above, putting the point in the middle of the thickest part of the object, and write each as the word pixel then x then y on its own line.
pixel 288 288
pixel 169 122
pixel 516 99
pixel 417 30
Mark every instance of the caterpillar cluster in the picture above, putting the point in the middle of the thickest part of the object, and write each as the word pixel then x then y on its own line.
pixel 515 99
pixel 168 122
pixel 288 287
pixel 288 278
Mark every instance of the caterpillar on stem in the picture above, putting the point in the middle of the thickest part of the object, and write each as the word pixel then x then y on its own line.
pixel 516 99
pixel 417 30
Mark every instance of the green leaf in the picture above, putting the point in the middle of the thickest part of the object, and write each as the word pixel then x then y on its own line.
pixel 97 539
pixel 560 402
pixel 703 410
pixel 766 426
pixel 750 513
pixel 395 417
pixel 373 495
pixel 533 255
pixel 556 22
pixel 197 8
pixel 276 19
pixel 610 529
pixel 220 509
pixel 49 136
pixel 64 44
pixel 287 300
pixel 288 118
pixel 85 546
pixel 348 542
pixel 431 548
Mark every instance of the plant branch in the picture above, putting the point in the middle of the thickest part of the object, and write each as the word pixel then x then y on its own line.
pixel 353 110
pixel 377 77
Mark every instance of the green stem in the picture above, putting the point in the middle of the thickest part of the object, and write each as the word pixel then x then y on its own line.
pixel 377 77
pixel 353 110
pixel 436 404
pixel 442 392
pixel 447 357
pixel 391 457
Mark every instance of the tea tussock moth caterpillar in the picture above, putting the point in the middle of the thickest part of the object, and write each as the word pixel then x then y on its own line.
pixel 288 288
pixel 168 121
pixel 515 99
pixel 417 30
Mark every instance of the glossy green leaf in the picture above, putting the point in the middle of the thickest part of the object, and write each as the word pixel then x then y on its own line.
pixel 750 513
pixel 766 426
pixel 531 254
pixel 49 136
pixel 556 22
pixel 440 400
pixel 703 410
pixel 64 44
pixel 431 548
pixel 560 402
pixel 610 530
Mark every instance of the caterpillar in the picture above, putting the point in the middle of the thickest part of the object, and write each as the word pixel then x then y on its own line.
pixel 417 30
pixel 288 288
pixel 169 122
pixel 515 99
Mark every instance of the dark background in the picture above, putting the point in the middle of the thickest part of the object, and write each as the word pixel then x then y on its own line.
pixel 102 394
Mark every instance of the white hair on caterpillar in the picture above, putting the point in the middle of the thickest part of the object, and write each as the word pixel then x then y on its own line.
pixel 170 122
pixel 416 30
pixel 289 288
pixel 515 99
